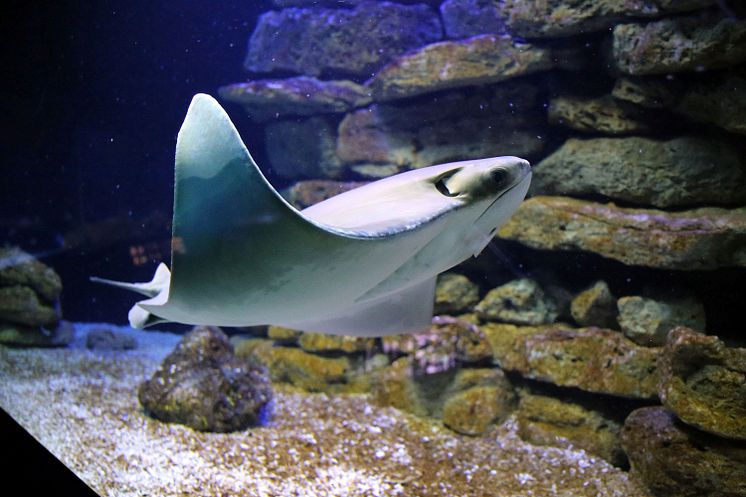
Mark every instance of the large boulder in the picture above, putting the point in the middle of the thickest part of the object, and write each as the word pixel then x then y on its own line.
pixel 678 44
pixel 706 238
pixel 358 41
pixel 202 384
pixel 450 64
pixel 683 171
pixel 704 382
pixel 673 459
pixel 22 269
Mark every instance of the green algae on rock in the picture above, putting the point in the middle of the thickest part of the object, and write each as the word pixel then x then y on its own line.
pixel 21 304
pixel 36 336
pixel 478 60
pixel 595 306
pixel 454 293
pixel 704 382
pixel 545 420
pixel 604 115
pixel 683 171
pixel 591 359
pixel 679 44
pixel 319 342
pixel 674 459
pixel 266 99
pixel 647 321
pixel 22 269
pixel 519 301
pixel 202 384
pixel 706 238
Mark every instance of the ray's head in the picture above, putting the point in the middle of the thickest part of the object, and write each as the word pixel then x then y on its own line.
pixel 484 178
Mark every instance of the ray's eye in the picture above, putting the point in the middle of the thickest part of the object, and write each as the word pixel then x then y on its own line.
pixel 500 176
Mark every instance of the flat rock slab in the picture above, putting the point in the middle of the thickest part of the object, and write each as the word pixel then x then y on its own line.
pixel 674 459
pixel 558 18
pixel 488 122
pixel 704 382
pixel 684 171
pixel 450 64
pixel 680 44
pixel 357 41
pixel 604 115
pixel 591 359
pixel 313 445
pixel 266 99
pixel 706 238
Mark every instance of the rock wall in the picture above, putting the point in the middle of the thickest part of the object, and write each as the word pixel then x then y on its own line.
pixel 632 114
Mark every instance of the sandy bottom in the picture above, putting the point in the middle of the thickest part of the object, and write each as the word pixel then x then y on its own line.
pixel 82 406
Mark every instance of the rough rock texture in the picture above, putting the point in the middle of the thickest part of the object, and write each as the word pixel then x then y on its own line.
pixel 266 99
pixel 454 293
pixel 21 304
pixel 673 459
pixel 308 371
pixel 454 126
pixel 449 341
pixel 19 268
pixel 313 40
pixel 604 115
pixel 395 386
pixel 556 18
pixel 477 399
pixel 704 382
pixel 306 193
pixel 595 306
pixel 450 64
pixel 714 98
pixel 647 321
pixel 591 359
pixel 705 238
pixel 203 385
pixel 109 339
pixel 503 337
pixel 303 148
pixel 318 342
pixel 679 44
pixel 673 173
pixel 520 301
pixel 283 335
pixel 464 18
pixel 545 420
pixel 26 336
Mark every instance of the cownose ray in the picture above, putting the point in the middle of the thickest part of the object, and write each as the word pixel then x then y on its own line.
pixel 361 263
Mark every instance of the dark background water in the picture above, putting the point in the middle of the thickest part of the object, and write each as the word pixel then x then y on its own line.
pixel 93 94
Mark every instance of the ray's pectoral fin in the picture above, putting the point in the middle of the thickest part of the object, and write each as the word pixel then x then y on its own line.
pixel 406 311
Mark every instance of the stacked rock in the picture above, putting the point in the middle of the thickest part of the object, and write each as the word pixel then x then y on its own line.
pixel 29 302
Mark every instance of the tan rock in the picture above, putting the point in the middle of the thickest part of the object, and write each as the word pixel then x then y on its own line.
pixel 21 305
pixel 647 321
pixel 704 382
pixel 705 238
pixel 319 342
pixel 519 301
pixel 453 293
pixel 595 306
pixel 603 115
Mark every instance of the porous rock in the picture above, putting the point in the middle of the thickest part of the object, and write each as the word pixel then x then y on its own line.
pixel 266 99
pixel 303 148
pixel 488 122
pixel 36 336
pixel 704 382
pixel 306 193
pixel 591 359
pixel 674 459
pixel 465 18
pixel 454 293
pixel 693 43
pixel 395 386
pixel 717 99
pixel 557 18
pixel 477 399
pixel 19 268
pixel 108 339
pixel 319 342
pixel 604 115
pixel 451 64
pixel 202 384
pixel 706 238
pixel 647 321
pixel 520 301
pixel 308 371
pixel 21 305
pixel 683 171
pixel 595 306
pixel 282 334
pixel 357 41
pixel 545 420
